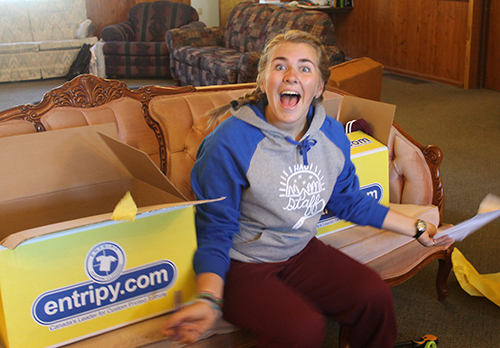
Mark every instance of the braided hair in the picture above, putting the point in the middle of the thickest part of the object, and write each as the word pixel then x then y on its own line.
pixel 253 97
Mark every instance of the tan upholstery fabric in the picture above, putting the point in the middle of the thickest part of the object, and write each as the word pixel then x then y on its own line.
pixel 366 244
pixel 126 113
pixel 181 118
pixel 409 175
pixel 16 127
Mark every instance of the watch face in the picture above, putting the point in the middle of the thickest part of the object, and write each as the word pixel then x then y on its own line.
pixel 421 226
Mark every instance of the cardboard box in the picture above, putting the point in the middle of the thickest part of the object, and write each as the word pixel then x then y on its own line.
pixel 368 154
pixel 361 77
pixel 67 270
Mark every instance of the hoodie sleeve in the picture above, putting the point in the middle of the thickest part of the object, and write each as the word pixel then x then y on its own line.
pixel 347 201
pixel 219 171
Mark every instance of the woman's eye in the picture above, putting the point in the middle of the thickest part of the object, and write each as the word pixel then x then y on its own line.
pixel 305 69
pixel 280 67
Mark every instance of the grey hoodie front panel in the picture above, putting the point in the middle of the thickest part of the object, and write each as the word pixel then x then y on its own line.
pixel 285 199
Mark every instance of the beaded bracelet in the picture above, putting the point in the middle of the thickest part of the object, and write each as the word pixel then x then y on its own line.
pixel 216 303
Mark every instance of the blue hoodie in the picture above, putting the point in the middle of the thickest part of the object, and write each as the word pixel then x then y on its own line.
pixel 275 187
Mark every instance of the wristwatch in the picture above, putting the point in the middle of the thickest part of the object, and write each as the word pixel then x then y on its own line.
pixel 421 228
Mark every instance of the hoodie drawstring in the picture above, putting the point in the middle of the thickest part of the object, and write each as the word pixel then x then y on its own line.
pixel 304 146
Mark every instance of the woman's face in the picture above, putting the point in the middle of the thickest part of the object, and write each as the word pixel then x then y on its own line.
pixel 291 81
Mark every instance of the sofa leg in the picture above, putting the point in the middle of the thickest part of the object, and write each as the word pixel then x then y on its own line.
pixel 444 270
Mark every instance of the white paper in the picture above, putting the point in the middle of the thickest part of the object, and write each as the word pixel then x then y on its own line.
pixel 489 210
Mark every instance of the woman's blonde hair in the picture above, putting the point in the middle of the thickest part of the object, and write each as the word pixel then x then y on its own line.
pixel 293 36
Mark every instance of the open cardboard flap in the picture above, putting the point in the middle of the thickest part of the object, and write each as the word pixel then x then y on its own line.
pixel 63 179
pixel 378 115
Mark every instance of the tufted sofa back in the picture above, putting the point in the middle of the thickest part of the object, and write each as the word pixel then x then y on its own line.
pixel 184 127
pixel 168 124
pixel 36 21
pixel 181 118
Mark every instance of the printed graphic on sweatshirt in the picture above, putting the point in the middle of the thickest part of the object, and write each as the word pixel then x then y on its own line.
pixel 302 185
pixel 110 288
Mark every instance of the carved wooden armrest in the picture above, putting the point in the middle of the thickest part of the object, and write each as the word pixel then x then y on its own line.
pixel 433 156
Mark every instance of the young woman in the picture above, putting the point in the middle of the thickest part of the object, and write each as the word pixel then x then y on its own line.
pixel 279 161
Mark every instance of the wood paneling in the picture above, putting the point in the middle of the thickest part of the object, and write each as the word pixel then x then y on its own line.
pixel 430 39
pixel 492 78
pixel 106 12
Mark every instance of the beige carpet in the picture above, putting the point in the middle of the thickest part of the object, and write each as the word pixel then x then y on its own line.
pixel 465 124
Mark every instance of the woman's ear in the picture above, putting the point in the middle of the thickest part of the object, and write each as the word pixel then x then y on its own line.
pixel 321 89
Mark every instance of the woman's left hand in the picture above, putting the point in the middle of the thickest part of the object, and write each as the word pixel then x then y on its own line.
pixel 427 240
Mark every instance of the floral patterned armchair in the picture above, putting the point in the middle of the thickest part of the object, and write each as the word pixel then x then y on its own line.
pixel 136 47
pixel 226 55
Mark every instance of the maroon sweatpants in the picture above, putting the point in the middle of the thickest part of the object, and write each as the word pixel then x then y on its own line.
pixel 285 304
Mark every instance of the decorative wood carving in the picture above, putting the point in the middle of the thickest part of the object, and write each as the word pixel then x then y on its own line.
pixel 89 91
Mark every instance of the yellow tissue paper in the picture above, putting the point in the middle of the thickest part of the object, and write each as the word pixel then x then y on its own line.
pixel 475 284
pixel 126 209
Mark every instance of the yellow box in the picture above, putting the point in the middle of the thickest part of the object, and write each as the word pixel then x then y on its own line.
pixel 371 159
pixel 67 269
pixel 368 154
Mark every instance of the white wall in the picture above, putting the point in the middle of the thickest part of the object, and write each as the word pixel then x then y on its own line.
pixel 208 10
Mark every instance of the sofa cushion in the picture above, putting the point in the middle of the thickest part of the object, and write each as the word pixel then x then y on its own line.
pixel 56 19
pixel 365 244
pixel 18 47
pixel 192 55
pixel 250 25
pixel 14 22
pixel 16 127
pixel 314 22
pixel 222 63
pixel 151 20
pixel 125 112
pixel 181 118
pixel 83 29
pixel 66 44
pixel 244 32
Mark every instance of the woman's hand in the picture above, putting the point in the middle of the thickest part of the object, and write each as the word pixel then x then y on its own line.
pixel 427 240
pixel 192 321
pixel 406 225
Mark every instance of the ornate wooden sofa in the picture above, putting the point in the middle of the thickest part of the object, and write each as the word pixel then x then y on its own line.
pixel 167 123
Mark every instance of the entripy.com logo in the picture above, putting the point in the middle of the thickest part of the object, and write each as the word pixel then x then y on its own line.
pixel 110 288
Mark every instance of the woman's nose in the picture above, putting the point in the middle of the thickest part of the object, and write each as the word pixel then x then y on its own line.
pixel 290 76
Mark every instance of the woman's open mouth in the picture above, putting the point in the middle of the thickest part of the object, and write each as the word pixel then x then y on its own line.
pixel 289 99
